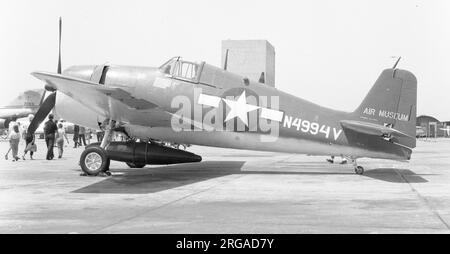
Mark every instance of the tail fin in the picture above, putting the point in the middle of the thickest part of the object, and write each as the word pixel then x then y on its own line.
pixel 392 102
pixel 29 98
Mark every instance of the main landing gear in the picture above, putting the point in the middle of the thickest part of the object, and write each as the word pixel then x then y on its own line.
pixel 358 169
pixel 94 160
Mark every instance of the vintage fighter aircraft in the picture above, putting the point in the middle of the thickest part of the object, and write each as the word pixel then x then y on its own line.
pixel 196 103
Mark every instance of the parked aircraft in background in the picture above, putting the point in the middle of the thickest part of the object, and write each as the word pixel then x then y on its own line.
pixel 26 103
pixel 189 102
pixel 447 130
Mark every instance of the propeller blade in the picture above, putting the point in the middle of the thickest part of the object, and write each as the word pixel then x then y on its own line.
pixel 42 98
pixel 59 54
pixel 42 113
pixel 47 105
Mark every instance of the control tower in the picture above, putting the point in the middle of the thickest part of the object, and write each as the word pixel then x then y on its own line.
pixel 254 59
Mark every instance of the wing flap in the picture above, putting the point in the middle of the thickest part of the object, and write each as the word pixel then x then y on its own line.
pixel 128 99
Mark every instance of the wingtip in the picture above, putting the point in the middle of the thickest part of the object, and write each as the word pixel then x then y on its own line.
pixel 44 76
pixel 37 73
pixel 40 74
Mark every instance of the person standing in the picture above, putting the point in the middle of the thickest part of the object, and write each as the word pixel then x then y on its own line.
pixel 30 146
pixel 14 139
pixel 10 131
pixel 12 124
pixel 61 134
pixel 49 132
pixel 76 133
pixel 26 124
pixel 82 136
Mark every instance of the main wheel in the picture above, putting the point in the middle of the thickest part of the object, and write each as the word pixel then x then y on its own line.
pixel 359 170
pixel 94 160
pixel 135 165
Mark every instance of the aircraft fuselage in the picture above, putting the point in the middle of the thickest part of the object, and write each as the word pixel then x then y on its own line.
pixel 201 112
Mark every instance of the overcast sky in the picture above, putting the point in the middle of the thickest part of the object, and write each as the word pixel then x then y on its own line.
pixel 327 52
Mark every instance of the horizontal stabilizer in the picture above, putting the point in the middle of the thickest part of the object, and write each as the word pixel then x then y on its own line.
pixel 374 129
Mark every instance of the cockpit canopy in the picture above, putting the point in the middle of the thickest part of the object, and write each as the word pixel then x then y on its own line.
pixel 181 69
pixel 201 73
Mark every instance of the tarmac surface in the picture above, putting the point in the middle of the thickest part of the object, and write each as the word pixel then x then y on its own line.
pixel 231 191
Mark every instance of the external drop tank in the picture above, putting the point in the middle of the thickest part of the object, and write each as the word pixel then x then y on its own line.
pixel 148 153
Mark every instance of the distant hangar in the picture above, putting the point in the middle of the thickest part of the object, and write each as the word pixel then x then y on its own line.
pixel 428 126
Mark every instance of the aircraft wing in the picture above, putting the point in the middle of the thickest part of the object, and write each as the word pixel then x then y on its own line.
pixel 18 112
pixel 107 101
pixel 372 129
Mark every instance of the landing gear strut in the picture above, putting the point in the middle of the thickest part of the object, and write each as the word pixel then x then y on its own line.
pixel 94 160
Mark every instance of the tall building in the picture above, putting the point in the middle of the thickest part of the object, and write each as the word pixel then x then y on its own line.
pixel 254 59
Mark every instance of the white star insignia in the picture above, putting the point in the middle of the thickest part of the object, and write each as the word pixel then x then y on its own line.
pixel 239 108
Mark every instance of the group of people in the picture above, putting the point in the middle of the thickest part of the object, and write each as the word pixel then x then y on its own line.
pixel 80 135
pixel 15 133
pixel 54 133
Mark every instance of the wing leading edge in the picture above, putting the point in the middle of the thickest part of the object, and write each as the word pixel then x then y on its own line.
pixel 107 101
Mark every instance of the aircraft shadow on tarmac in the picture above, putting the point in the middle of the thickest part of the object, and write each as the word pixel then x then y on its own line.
pixel 156 179
pixel 383 174
pixel 395 175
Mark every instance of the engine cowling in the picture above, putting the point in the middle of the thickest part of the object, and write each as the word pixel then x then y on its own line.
pixel 148 153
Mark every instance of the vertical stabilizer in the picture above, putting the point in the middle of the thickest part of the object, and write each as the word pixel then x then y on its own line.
pixel 392 102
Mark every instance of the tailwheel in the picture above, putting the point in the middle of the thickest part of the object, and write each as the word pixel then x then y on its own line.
pixel 135 165
pixel 94 160
pixel 359 170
